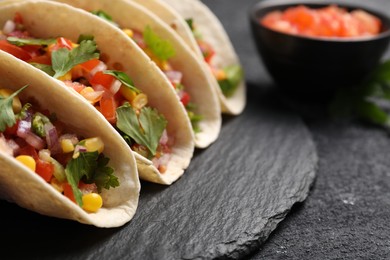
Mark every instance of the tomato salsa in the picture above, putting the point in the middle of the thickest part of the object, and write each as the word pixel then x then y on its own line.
pixel 329 21
pixel 81 67
pixel 73 165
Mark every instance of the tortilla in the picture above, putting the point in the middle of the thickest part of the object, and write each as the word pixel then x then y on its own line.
pixel 26 188
pixel 174 12
pixel 197 83
pixel 44 19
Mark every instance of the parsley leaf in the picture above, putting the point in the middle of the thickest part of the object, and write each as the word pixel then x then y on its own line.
pixel 92 168
pixel 30 41
pixel 145 130
pixel 63 60
pixel 7 116
pixel 123 78
pixel 162 49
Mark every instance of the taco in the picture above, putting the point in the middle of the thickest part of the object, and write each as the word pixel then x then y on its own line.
pixel 211 43
pixel 187 74
pixel 45 148
pixel 112 73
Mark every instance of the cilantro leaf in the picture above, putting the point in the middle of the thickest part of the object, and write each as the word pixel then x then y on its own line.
pixel 7 116
pixel 84 165
pixel 145 130
pixel 30 41
pixel 104 175
pixel 44 67
pixel 63 60
pixel 234 75
pixel 123 78
pixel 105 16
pixel 162 49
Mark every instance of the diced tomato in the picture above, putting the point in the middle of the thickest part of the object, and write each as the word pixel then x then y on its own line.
pixel 330 21
pixel 60 43
pixel 33 50
pixel 185 98
pixel 68 192
pixel 90 65
pixel 29 150
pixel 18 18
pixel 108 106
pixel 207 51
pixel 14 50
pixel 42 59
pixel 12 130
pixel 44 169
pixel 75 85
pixel 102 79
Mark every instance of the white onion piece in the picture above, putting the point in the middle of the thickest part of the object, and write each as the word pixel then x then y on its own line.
pixel 44 155
pixel 4 146
pixel 115 86
pixel 174 76
pixel 164 137
pixel 9 27
pixel 100 67
pixel 35 141
pixel 24 127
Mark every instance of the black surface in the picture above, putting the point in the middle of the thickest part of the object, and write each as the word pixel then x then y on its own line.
pixel 346 215
pixel 230 199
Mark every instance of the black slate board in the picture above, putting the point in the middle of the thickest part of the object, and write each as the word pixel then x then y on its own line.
pixel 225 206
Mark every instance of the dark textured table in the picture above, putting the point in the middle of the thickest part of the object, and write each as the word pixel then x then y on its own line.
pixel 236 192
pixel 347 214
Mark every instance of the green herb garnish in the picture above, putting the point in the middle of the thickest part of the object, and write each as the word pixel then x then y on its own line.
pixel 123 78
pixel 7 115
pixel 234 75
pixel 104 16
pixel 63 60
pixel 146 129
pixel 30 41
pixel 161 48
pixel 90 167
pixel 369 101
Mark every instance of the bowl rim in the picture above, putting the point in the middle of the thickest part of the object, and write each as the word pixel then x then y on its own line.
pixel 283 4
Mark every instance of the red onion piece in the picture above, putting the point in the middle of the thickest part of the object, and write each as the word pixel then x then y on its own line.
pixel 174 76
pixel 52 138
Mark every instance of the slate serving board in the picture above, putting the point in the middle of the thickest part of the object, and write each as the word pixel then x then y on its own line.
pixel 225 206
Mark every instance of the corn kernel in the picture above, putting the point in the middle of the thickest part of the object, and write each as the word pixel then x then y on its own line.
pixel 92 202
pixel 16 104
pixel 219 74
pixel 127 93
pixel 128 32
pixel 94 144
pixel 139 101
pixel 67 76
pixel 67 145
pixel 27 161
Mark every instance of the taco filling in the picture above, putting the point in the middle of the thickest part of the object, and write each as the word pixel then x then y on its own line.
pixel 160 51
pixel 228 77
pixel 73 165
pixel 81 67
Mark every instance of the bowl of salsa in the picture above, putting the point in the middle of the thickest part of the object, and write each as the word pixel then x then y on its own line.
pixel 316 48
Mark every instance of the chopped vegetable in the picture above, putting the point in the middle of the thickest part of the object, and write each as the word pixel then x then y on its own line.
pixel 149 129
pixel 63 60
pixel 7 116
pixel 234 75
pixel 28 161
pixel 162 49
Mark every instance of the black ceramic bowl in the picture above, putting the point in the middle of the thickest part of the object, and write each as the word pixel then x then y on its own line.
pixel 307 65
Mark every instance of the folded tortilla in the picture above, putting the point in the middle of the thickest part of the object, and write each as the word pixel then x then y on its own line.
pixel 46 19
pixel 129 15
pixel 26 188
pixel 174 13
